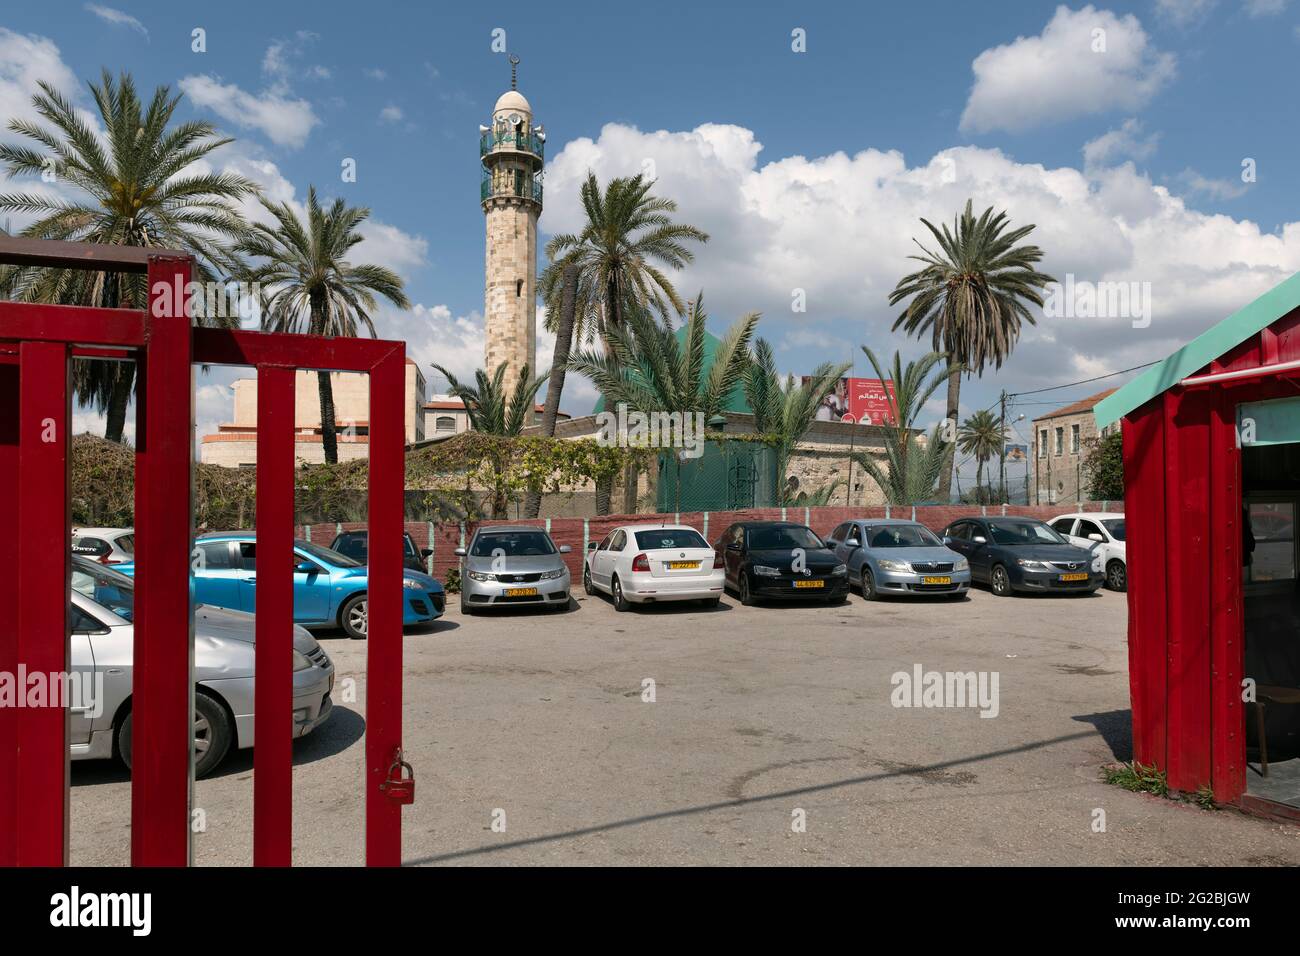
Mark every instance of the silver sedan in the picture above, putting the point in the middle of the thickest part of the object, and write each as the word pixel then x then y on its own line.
pixel 512 567
pixel 103 606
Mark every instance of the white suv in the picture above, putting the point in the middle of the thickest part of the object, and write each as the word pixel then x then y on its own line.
pixel 1105 529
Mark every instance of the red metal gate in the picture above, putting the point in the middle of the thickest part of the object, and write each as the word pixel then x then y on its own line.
pixel 37 343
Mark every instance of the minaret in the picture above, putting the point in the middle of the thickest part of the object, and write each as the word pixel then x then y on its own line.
pixel 511 193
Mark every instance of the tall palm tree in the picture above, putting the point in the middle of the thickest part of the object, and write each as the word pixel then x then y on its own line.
pixel 493 412
pixel 912 466
pixel 135 188
pixel 628 230
pixel 971 297
pixel 981 435
pixel 309 285
pixel 559 366
pixel 785 412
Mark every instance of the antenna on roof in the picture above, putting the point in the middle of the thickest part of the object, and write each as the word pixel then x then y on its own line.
pixel 514 72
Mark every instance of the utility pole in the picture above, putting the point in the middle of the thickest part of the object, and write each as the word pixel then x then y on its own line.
pixel 1002 449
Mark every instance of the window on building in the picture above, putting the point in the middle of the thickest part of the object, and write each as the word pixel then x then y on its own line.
pixel 1074 439
pixel 444 423
pixel 519 288
pixel 1042 443
pixel 1060 442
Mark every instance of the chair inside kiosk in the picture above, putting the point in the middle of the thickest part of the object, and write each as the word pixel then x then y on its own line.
pixel 1271 500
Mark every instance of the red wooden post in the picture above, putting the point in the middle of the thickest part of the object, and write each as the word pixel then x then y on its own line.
pixel 8 598
pixel 273 689
pixel 44 575
pixel 384 627
pixel 1227 627
pixel 163 679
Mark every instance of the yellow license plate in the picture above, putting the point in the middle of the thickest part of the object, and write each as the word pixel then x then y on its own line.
pixel 810 584
pixel 683 565
pixel 521 592
pixel 1073 577
pixel 936 580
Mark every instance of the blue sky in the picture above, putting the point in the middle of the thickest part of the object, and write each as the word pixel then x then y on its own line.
pixel 893 112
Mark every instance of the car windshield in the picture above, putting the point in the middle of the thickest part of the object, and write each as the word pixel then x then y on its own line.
pixel 902 536
pixel 328 555
pixel 1023 532
pixel 513 544
pixel 670 538
pixel 108 588
pixel 1116 527
pixel 774 539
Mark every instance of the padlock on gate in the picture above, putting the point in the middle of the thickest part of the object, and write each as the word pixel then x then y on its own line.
pixel 399 786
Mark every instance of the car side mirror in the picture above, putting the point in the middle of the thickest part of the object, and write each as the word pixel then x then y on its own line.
pixel 853 543
pixel 565 549
pixel 947 540
pixel 461 552
pixel 303 567
pixel 426 552
pixel 734 546
pixel 591 545
pixel 1096 537
pixel 980 539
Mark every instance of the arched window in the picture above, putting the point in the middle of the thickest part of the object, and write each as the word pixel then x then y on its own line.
pixel 444 423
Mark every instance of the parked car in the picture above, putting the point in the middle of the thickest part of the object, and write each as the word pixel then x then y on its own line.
pixel 779 559
pixel 513 566
pixel 103 641
pixel 894 557
pixel 356 544
pixel 105 545
pixel 1023 554
pixel 650 563
pixel 329 589
pixel 1106 529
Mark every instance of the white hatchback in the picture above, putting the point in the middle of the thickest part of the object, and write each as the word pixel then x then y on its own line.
pixel 1105 531
pixel 650 563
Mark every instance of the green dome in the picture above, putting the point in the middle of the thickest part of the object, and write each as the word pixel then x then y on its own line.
pixel 735 400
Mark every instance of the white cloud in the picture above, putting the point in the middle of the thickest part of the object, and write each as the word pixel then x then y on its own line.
pixel 840 227
pixel 389 246
pixel 117 18
pixel 1186 13
pixel 284 121
pixel 375 73
pixel 391 114
pixel 1064 73
pixel 1213 188
pixel 1125 142
pixel 1264 8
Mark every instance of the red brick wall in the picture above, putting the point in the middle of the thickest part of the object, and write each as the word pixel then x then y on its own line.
pixel 444 538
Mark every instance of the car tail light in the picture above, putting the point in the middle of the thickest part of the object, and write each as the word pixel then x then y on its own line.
pixel 640 563
pixel 717 560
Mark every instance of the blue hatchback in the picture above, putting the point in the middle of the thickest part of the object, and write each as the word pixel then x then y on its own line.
pixel 329 589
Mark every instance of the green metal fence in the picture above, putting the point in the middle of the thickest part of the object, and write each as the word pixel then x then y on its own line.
pixel 729 475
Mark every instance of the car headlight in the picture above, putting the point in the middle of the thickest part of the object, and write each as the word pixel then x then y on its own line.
pixel 1032 565
pixel 481 576
pixel 412 585
pixel 552 575
pixel 300 662
pixel 886 565
pixel 840 569
pixel 764 571
pixel 961 565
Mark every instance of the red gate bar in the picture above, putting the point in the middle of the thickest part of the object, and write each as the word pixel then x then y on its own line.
pixel 384 626
pixel 273 688
pixel 9 512
pixel 44 572
pixel 163 680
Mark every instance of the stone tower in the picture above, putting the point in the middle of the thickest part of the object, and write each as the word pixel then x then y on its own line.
pixel 512 153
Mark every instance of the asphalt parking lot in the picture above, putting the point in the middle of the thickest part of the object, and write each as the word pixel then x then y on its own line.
pixel 533 743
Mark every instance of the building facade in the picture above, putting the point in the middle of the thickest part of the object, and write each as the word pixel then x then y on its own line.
pixel 1062 441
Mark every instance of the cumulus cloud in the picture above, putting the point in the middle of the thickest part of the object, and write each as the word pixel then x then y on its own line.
pixel 840 227
pixel 284 121
pixel 1126 142
pixel 1084 62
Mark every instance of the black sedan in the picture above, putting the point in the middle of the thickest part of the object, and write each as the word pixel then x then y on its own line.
pixel 778 559
pixel 1022 554
pixel 356 545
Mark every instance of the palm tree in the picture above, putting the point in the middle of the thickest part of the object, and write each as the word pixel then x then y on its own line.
pixel 913 466
pixel 645 367
pixel 306 279
pixel 971 298
pixel 627 231
pixel 785 412
pixel 493 412
pixel 981 435
pixel 136 192
pixel 559 366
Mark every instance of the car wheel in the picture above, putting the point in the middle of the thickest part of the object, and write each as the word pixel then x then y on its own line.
pixel 1000 581
pixel 616 590
pixel 212 735
pixel 869 585
pixel 469 610
pixel 586 581
pixel 352 617
pixel 746 595
pixel 1117 575
pixel 711 602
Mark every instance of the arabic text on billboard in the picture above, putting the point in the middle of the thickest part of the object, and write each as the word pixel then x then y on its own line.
pixel 865 401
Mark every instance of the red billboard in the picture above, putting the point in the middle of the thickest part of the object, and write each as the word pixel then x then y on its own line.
pixel 865 401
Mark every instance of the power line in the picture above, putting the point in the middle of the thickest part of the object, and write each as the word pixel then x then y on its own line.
pixel 1085 381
